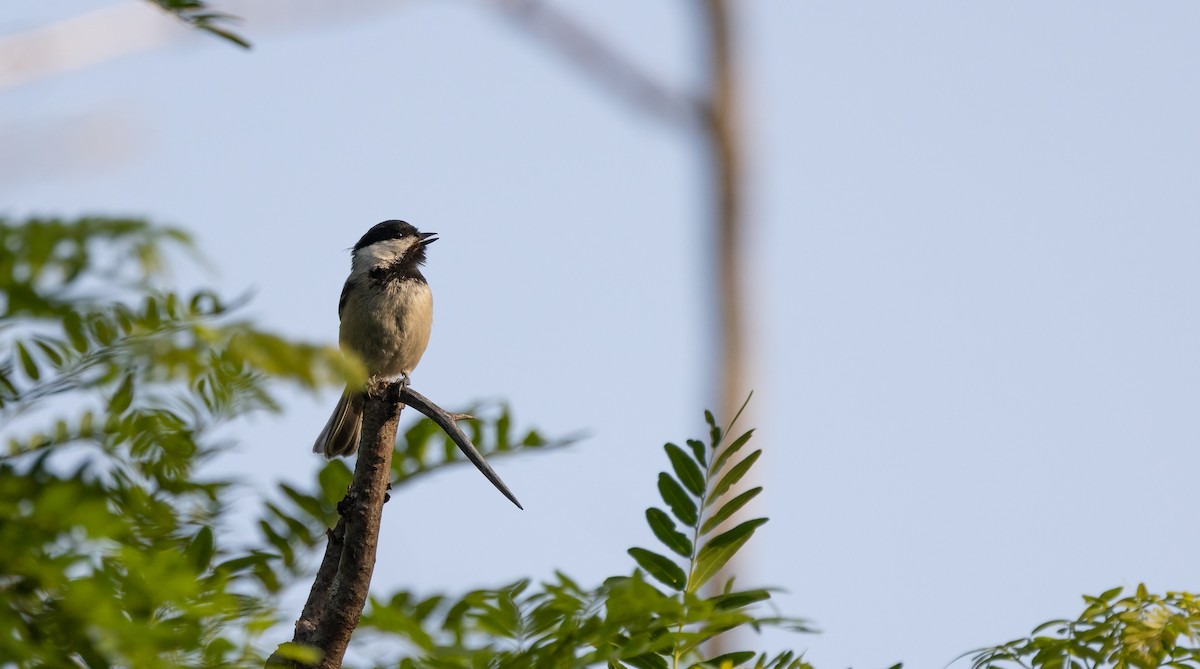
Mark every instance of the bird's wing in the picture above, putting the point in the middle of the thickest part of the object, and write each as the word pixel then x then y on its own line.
pixel 346 288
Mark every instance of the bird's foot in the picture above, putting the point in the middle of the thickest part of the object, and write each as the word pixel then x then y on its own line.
pixel 377 387
pixel 385 388
pixel 400 386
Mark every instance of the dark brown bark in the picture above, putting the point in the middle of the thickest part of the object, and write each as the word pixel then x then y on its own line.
pixel 339 591
pixel 318 597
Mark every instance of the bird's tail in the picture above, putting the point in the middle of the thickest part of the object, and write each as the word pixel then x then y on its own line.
pixel 340 436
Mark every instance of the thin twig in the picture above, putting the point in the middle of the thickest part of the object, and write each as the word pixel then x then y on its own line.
pixel 446 421
pixel 602 62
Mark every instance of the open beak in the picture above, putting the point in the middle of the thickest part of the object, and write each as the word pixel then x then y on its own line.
pixel 428 238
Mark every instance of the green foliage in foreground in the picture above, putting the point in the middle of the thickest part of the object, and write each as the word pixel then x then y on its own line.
pixel 201 16
pixel 111 391
pixel 626 621
pixel 116 523
pixel 1140 631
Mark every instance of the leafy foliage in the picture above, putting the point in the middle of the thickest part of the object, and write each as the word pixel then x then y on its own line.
pixel 425 449
pixel 301 515
pixel 626 621
pixel 116 548
pixel 201 16
pixel 118 560
pixel 112 531
pixel 1139 631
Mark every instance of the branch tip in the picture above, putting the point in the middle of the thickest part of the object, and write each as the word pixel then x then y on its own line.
pixel 446 421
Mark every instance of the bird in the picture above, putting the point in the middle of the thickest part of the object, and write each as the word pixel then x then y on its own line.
pixel 386 314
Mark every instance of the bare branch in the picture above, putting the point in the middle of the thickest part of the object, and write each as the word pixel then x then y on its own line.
pixel 318 597
pixel 446 421
pixel 339 593
pixel 601 62
pixel 335 604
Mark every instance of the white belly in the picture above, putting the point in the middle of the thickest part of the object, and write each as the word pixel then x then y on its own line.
pixel 375 320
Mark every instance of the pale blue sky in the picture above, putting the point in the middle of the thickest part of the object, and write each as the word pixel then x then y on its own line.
pixel 974 244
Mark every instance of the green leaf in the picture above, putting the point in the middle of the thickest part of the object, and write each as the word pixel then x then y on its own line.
pixel 533 438
pixel 7 389
pixel 719 550
pixel 27 362
pixel 731 507
pixel 742 408
pixel 151 313
pixel 680 502
pixel 308 503
pixel 738 600
pixel 664 529
pixel 735 474
pixel 427 606
pixel 73 326
pixel 251 561
pixel 105 333
pixel 201 549
pixel 50 351
pixel 730 450
pixel 279 541
pixel 660 567
pixel 205 303
pixel 335 478
pixel 698 450
pixel 299 653
pixel 647 661
pixel 739 657
pixel 686 469
pixel 87 424
pixel 1049 624
pixel 225 35
pixel 503 430
pixel 1109 595
pixel 123 397
pixel 714 432
pixel 124 320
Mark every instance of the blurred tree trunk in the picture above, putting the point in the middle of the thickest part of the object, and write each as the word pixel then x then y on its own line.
pixel 723 142
pixel 712 118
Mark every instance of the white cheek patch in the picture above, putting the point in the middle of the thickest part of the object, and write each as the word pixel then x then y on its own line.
pixel 382 253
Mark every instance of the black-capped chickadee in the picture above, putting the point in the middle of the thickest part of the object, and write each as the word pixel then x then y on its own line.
pixel 386 312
